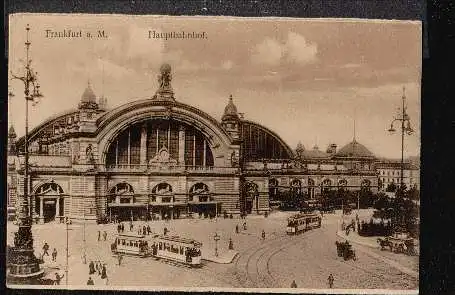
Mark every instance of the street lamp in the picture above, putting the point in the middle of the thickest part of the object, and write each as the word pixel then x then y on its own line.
pixel 406 128
pixel 22 260
pixel 216 237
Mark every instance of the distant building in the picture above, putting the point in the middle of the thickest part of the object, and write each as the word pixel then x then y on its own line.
pixel 161 158
pixel 389 171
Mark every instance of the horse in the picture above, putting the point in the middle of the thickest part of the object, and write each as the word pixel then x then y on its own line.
pixel 384 243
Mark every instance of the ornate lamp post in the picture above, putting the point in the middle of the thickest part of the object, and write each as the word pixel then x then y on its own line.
pixel 22 263
pixel 403 119
pixel 216 237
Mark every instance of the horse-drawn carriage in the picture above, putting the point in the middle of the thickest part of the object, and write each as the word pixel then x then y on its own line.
pixel 398 244
pixel 344 249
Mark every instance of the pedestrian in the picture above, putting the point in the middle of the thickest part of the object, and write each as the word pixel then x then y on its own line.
pixel 244 226
pixel 100 268
pixel 120 258
pixel 165 231
pixel 293 284
pixel 119 228
pixel 54 255
pixel 236 228
pixel 144 230
pixel 131 225
pixel 148 229
pixel 90 281
pixel 330 279
pixel 263 235
pixel 231 244
pixel 103 272
pixel 104 235
pixel 122 227
pixel 99 236
pixel 91 268
pixel 58 278
pixel 45 249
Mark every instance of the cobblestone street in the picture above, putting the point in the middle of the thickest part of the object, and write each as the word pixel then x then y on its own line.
pixel 307 258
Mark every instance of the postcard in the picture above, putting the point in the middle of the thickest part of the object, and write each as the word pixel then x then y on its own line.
pixel 213 154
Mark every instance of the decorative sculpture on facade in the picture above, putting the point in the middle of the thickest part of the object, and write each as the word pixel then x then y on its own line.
pixel 165 91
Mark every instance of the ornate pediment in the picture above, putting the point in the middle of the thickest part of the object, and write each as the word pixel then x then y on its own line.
pixel 162 159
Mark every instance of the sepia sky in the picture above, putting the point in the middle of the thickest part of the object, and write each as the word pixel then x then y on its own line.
pixel 304 79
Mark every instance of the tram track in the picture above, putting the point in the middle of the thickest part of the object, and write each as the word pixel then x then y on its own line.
pixel 256 268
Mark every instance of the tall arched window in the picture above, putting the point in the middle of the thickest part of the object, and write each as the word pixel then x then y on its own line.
pixel 365 185
pixel 311 185
pixel 326 185
pixel 296 187
pixel 342 183
pixel 273 188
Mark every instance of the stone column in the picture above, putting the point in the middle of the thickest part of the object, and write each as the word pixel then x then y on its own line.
pixel 182 146
pixel 57 208
pixel 205 153
pixel 41 207
pixel 143 153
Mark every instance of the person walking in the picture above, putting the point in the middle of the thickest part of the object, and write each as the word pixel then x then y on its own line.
pixel 123 227
pixel 104 235
pixel 91 268
pixel 99 236
pixel 293 284
pixel 45 249
pixel 119 228
pixel 54 255
pixel 263 235
pixel 104 274
pixel 131 225
pixel 90 281
pixel 58 278
pixel 236 228
pixel 330 280
pixel 244 226
pixel 119 258
pixel 148 229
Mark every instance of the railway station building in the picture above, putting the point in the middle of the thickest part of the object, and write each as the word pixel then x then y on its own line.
pixel 161 158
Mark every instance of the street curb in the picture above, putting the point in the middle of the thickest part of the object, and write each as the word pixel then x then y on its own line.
pixel 384 259
pixel 221 261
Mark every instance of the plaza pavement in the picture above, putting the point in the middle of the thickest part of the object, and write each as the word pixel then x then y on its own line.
pixel 308 257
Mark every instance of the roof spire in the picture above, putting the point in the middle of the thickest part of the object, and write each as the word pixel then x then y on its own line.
pixel 230 111
pixel 354 135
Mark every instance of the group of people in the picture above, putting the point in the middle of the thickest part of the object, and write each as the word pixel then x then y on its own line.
pixel 97 268
pixel 144 230
pixel 46 252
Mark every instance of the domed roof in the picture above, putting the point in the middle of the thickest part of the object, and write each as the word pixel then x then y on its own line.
pixel 230 111
pixel 11 132
pixel 314 154
pixel 354 150
pixel 88 95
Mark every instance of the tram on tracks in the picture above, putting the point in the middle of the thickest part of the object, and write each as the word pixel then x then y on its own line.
pixel 302 222
pixel 171 248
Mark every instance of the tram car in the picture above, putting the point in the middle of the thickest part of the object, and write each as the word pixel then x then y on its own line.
pixel 131 244
pixel 302 222
pixel 179 249
pixel 172 248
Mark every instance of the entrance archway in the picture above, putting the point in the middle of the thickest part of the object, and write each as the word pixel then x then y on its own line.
pixel 251 197
pixel 49 203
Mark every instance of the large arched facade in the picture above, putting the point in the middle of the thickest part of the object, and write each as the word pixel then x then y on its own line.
pixel 119 161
